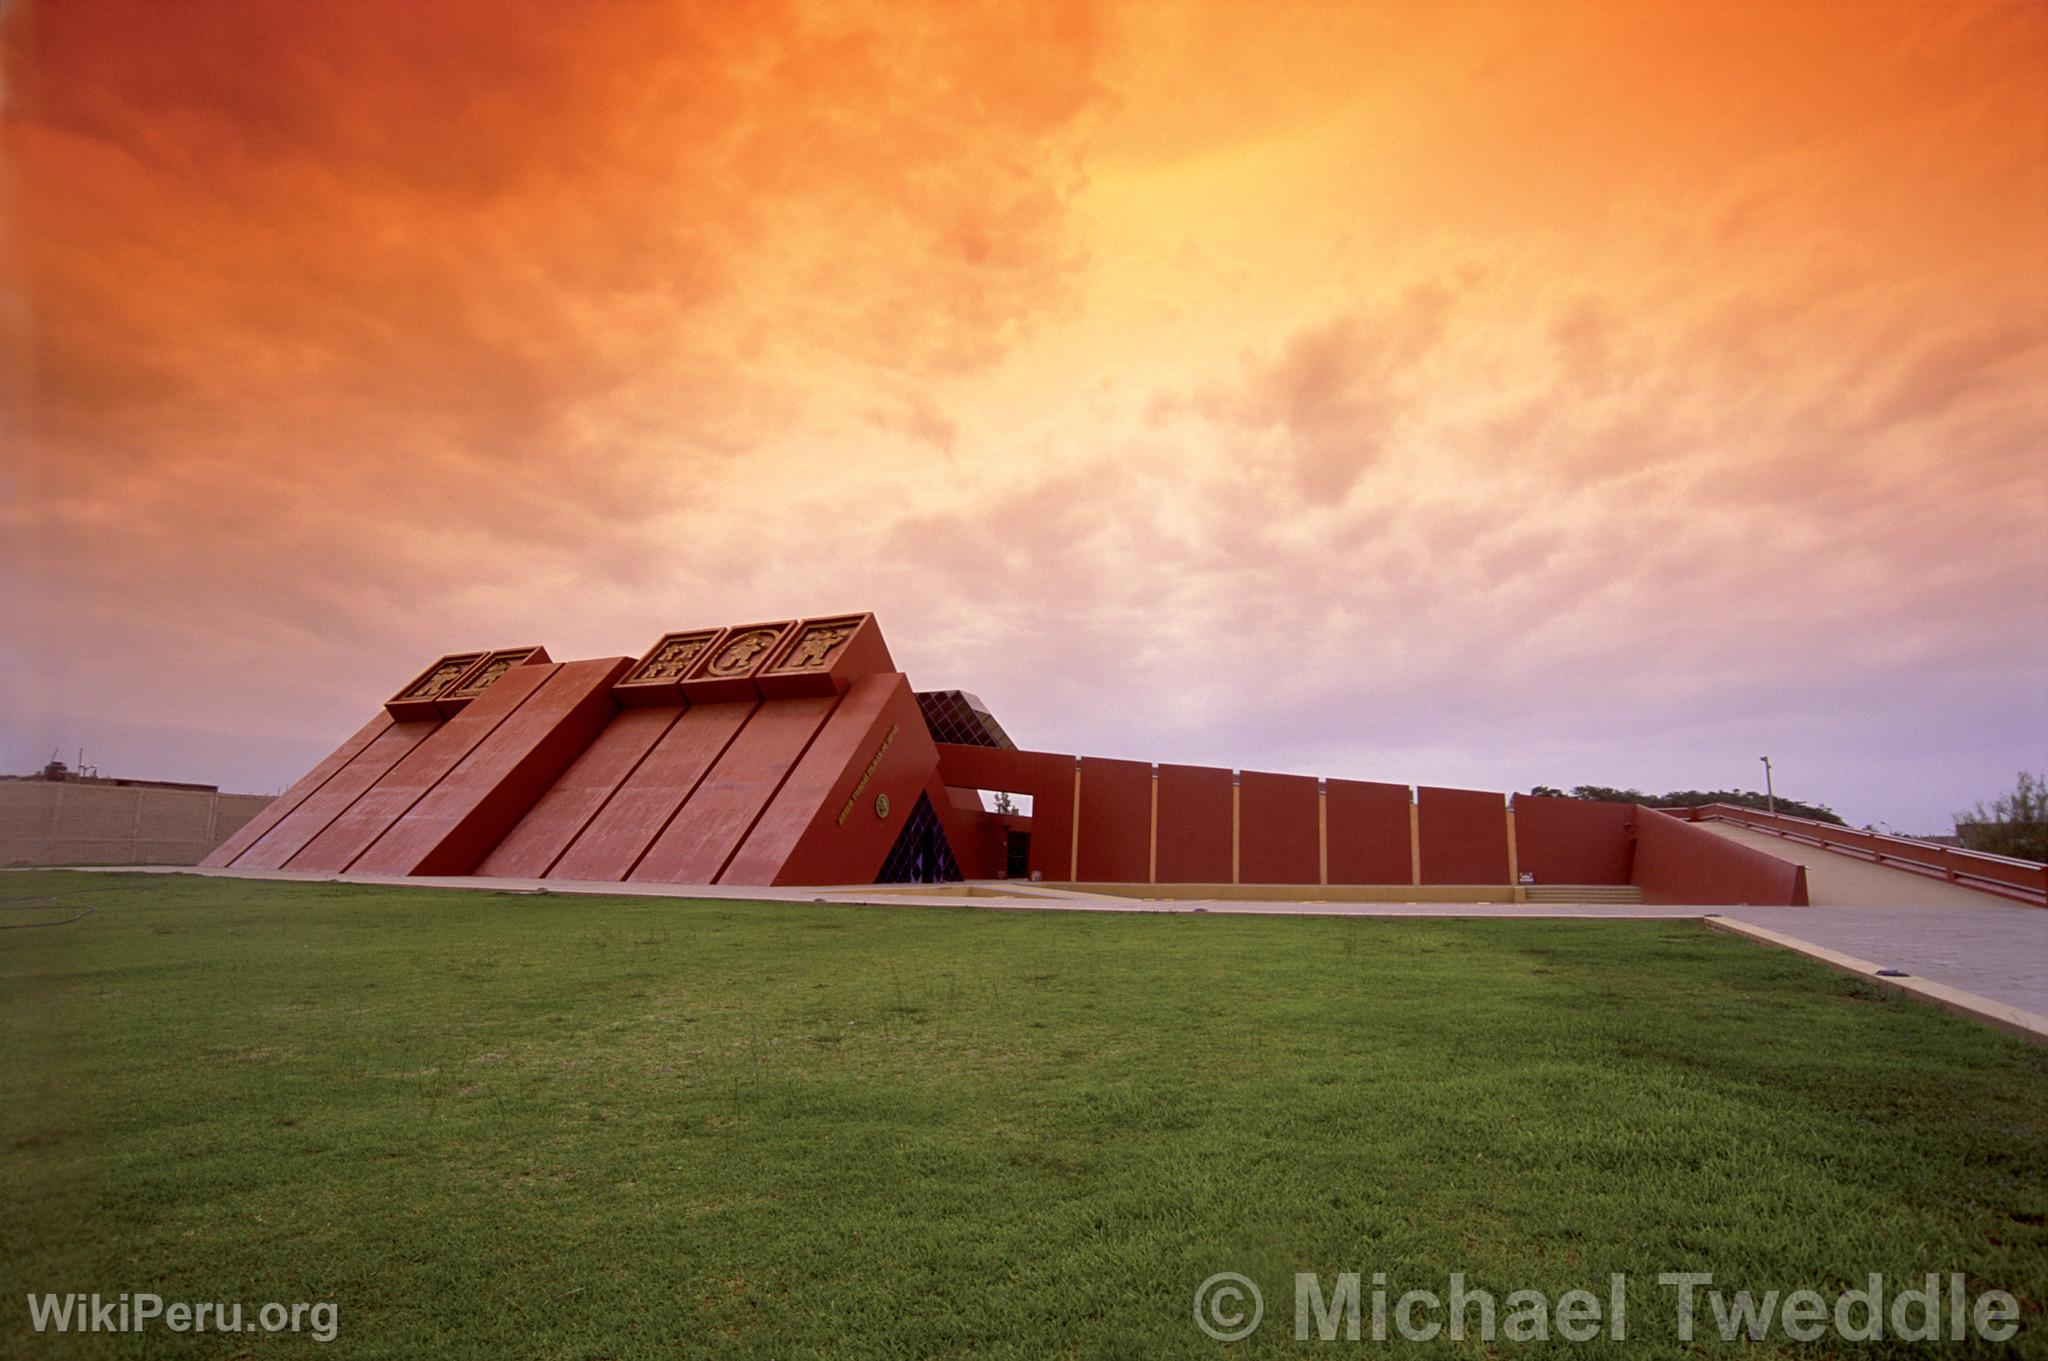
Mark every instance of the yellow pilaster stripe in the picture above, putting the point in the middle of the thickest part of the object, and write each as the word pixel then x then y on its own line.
pixel 1414 842
pixel 1074 850
pixel 1235 826
pixel 1322 836
pixel 1152 850
pixel 1514 859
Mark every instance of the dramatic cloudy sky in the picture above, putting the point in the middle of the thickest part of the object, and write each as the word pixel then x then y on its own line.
pixel 1459 394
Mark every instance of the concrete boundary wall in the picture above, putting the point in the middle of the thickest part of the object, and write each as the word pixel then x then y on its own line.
pixel 57 822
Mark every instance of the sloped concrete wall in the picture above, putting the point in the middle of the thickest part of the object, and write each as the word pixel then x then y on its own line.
pixel 54 822
pixel 1679 862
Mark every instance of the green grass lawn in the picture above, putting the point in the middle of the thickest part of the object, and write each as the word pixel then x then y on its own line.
pixel 490 1125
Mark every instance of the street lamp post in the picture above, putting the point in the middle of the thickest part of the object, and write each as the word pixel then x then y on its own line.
pixel 1770 796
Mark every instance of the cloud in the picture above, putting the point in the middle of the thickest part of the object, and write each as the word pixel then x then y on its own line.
pixel 1156 373
pixel 1323 408
pixel 330 312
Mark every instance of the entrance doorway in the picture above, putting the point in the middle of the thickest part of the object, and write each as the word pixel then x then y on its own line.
pixel 1018 864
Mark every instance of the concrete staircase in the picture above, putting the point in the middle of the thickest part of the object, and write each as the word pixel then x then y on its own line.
pixel 1616 894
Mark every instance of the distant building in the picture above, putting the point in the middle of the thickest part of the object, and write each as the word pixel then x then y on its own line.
pixel 65 816
pixel 58 772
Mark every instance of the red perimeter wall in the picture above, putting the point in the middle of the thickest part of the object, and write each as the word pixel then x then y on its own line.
pixel 979 838
pixel 1277 837
pixel 1573 841
pixel 1368 834
pixel 1681 862
pixel 1116 821
pixel 1464 836
pixel 1194 825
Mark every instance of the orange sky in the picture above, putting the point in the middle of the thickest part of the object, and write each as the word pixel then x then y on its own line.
pixel 1460 394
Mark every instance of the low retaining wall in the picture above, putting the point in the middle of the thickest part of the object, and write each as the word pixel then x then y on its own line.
pixel 56 822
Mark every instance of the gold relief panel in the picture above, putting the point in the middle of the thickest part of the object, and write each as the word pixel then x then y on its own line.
pixel 443 674
pixel 822 655
pixel 813 651
pixel 671 658
pixel 487 674
pixel 739 655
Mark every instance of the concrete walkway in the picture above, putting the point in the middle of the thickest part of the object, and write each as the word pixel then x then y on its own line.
pixel 1994 950
pixel 1978 956
pixel 995 894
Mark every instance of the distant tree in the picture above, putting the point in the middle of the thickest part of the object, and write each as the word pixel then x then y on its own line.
pixel 2014 824
pixel 1605 794
pixel 1004 804
pixel 1590 791
pixel 1694 798
pixel 1748 798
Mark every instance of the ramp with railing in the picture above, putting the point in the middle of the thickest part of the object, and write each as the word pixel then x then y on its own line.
pixel 2020 880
